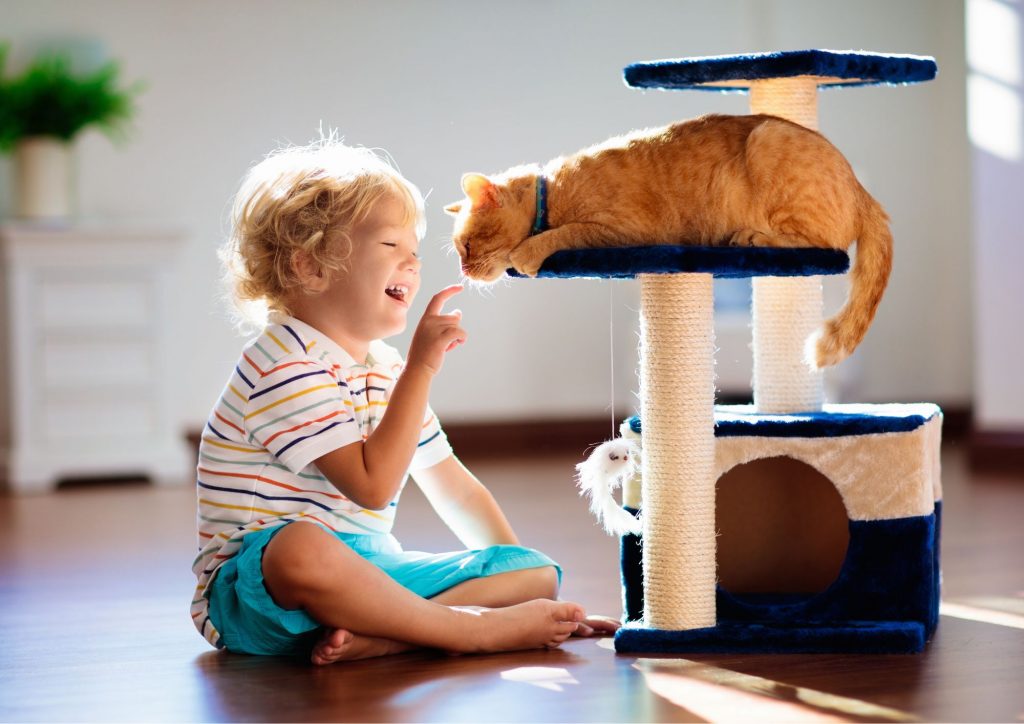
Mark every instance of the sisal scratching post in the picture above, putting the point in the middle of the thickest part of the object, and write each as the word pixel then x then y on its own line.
pixel 677 390
pixel 786 310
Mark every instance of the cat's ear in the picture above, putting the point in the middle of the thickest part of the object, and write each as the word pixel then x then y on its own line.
pixel 480 190
pixel 453 209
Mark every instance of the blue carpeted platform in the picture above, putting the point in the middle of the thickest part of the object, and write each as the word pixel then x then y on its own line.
pixel 831 421
pixel 864 637
pixel 728 72
pixel 724 262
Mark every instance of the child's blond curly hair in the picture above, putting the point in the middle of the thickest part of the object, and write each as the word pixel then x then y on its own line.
pixel 305 199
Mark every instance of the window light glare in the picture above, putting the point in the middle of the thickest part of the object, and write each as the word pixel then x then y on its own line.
pixel 993 40
pixel 994 117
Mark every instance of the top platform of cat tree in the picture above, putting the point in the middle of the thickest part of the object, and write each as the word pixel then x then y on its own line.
pixel 724 262
pixel 736 73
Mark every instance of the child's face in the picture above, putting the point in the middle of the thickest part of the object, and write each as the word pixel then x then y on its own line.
pixel 372 297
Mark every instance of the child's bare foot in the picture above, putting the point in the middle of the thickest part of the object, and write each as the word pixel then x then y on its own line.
pixel 341 645
pixel 597 626
pixel 530 625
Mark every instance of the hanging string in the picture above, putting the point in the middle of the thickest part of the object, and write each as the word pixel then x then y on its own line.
pixel 611 345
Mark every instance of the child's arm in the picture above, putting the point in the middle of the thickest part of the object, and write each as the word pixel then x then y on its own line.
pixel 370 473
pixel 465 505
pixel 469 509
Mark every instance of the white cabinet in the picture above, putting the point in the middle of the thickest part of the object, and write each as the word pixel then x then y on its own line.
pixel 88 356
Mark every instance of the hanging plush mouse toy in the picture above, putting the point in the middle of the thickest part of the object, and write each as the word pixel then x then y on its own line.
pixel 605 469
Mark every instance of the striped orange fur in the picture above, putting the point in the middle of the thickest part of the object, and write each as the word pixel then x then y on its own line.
pixel 715 180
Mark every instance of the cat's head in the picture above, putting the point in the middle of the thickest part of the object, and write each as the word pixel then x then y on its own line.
pixel 489 224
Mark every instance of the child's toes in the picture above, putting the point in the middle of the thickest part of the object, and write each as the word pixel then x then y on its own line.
pixel 563 630
pixel 337 640
pixel 331 646
pixel 568 611
pixel 557 640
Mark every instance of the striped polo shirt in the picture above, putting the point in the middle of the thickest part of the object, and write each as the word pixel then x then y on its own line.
pixel 293 396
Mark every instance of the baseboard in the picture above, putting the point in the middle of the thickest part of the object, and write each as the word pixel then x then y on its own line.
pixel 997 452
pixel 957 422
pixel 526 438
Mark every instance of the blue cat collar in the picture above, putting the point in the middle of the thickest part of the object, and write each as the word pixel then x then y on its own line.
pixel 540 221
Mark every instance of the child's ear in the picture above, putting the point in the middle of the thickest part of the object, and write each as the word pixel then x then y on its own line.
pixel 310 275
pixel 482 193
pixel 453 209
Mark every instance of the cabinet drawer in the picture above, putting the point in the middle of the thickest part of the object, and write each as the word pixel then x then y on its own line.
pixel 89 364
pixel 104 303
pixel 129 416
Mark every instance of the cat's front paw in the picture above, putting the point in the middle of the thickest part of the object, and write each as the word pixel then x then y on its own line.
pixel 525 261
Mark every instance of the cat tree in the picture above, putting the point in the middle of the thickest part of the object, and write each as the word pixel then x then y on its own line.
pixel 877 465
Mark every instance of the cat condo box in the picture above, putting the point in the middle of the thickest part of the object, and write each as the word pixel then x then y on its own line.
pixel 828 533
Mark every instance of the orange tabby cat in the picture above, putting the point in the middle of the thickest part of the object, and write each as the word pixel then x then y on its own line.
pixel 741 180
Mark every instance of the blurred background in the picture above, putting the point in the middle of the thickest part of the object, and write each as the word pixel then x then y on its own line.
pixel 457 85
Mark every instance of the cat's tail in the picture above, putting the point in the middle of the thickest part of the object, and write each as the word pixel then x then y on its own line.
pixel 841 334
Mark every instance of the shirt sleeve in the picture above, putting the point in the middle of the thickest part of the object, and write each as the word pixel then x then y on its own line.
pixel 433 446
pixel 299 410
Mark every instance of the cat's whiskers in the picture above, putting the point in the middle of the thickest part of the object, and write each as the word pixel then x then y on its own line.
pixel 476 284
pixel 449 246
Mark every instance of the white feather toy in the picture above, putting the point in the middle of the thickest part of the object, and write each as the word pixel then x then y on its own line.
pixel 605 469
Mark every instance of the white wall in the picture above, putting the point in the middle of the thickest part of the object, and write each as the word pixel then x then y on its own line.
pixel 996 113
pixel 458 85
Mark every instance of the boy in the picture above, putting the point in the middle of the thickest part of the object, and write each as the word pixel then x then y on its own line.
pixel 321 421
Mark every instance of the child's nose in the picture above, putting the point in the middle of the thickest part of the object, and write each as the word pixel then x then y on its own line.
pixel 413 263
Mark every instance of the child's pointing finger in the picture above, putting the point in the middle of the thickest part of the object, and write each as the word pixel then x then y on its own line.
pixel 436 302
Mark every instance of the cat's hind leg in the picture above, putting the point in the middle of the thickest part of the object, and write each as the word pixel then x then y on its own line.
pixel 750 237
pixel 808 227
pixel 778 238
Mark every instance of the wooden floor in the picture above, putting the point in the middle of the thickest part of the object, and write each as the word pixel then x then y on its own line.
pixel 95 584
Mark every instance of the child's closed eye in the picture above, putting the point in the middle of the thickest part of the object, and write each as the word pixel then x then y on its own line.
pixel 395 245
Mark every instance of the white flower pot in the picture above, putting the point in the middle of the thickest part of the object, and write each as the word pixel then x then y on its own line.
pixel 43 178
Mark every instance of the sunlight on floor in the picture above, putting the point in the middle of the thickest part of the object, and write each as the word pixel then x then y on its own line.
pixel 716 694
pixel 545 677
pixel 998 611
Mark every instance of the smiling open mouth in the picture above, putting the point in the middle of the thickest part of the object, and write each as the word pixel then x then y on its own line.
pixel 397 291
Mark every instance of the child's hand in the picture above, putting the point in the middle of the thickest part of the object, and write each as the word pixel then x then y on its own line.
pixel 436 333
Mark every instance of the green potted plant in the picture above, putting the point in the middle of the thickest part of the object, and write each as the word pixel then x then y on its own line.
pixel 42 110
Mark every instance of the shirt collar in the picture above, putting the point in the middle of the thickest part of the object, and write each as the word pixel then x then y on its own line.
pixel 378 355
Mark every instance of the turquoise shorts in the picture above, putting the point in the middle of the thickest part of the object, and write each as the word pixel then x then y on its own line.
pixel 250 622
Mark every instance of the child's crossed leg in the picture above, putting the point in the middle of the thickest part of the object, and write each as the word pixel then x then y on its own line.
pixel 368 614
